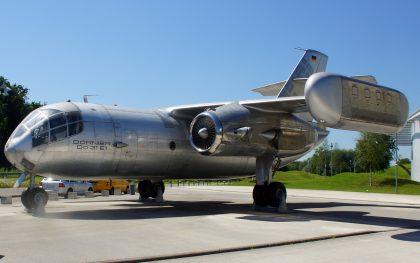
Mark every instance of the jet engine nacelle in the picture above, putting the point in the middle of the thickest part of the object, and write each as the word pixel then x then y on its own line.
pixel 351 104
pixel 227 130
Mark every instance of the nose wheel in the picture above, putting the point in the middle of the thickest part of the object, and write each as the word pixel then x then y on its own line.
pixel 34 199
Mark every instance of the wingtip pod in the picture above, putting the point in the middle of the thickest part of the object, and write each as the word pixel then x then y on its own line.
pixel 352 104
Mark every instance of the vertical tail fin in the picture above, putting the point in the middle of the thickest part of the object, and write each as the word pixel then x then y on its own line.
pixel 311 62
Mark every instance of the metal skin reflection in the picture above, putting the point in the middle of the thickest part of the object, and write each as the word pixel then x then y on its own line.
pixel 86 141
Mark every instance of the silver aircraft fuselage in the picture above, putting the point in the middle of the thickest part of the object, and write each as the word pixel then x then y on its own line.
pixel 115 142
pixel 205 141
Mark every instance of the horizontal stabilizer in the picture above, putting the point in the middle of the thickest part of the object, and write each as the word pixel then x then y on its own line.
pixel 274 89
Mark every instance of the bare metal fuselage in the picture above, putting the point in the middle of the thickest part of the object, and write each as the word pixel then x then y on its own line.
pixel 204 141
pixel 127 143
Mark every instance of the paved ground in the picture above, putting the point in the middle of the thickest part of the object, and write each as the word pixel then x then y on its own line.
pixel 216 224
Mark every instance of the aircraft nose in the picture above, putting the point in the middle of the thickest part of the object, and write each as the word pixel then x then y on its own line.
pixel 15 149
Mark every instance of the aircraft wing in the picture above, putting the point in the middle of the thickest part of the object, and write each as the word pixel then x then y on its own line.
pixel 282 104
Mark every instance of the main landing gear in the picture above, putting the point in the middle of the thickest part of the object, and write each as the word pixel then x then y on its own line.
pixel 148 189
pixel 266 192
pixel 34 199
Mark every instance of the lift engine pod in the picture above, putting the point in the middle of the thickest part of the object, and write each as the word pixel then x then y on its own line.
pixel 347 103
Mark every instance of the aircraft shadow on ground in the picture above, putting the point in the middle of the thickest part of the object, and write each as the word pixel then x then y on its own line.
pixel 135 210
pixel 411 236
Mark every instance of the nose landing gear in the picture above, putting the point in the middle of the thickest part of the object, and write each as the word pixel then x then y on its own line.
pixel 34 199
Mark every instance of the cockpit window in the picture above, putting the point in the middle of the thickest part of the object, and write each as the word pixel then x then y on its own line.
pixel 59 133
pixel 49 112
pixel 20 130
pixel 74 116
pixel 75 123
pixel 34 120
pixel 57 120
pixel 75 128
pixel 40 128
pixel 40 134
pixel 50 125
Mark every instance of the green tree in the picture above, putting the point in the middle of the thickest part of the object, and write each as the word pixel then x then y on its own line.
pixel 13 108
pixel 374 152
pixel 319 163
pixel 342 160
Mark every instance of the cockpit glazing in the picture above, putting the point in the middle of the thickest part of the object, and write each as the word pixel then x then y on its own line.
pixel 50 125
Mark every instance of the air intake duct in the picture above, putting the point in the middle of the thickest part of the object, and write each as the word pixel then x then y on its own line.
pixel 206 133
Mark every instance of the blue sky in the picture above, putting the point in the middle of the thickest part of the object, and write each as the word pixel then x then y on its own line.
pixel 151 54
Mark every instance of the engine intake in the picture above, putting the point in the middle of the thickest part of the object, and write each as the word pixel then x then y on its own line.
pixel 206 133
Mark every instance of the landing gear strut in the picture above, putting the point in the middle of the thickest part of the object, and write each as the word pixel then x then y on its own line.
pixel 34 199
pixel 149 189
pixel 266 192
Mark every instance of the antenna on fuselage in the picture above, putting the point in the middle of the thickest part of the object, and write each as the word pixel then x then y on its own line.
pixel 85 98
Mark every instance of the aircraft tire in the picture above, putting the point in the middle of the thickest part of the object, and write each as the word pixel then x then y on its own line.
pixel 24 198
pixel 155 188
pixel 145 189
pixel 37 198
pixel 274 193
pixel 259 196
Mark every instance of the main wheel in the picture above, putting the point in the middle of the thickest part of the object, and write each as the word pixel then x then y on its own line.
pixel 156 188
pixel 37 198
pixel 275 193
pixel 24 199
pixel 145 189
pixel 258 195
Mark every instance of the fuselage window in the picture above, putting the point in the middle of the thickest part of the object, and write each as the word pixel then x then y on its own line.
pixel 378 95
pixel 355 90
pixel 367 93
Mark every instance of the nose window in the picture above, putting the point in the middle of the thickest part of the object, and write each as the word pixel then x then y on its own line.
pixel 36 118
pixel 20 130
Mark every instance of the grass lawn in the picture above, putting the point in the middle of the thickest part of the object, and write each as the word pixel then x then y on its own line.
pixel 382 182
pixel 9 181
